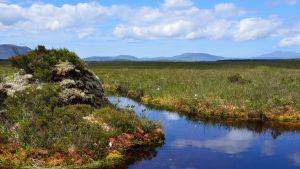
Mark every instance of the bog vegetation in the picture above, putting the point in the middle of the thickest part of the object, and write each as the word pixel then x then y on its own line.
pixel 232 90
pixel 36 130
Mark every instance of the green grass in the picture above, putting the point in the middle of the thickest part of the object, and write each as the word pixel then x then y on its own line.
pixel 5 69
pixel 265 88
pixel 262 89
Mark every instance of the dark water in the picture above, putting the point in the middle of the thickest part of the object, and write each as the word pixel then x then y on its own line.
pixel 190 145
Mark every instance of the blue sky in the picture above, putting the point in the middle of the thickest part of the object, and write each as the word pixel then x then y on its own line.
pixel 232 28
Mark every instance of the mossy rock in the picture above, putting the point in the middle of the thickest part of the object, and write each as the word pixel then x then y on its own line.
pixel 79 85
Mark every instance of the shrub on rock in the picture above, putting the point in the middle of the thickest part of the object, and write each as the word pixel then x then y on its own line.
pixel 78 84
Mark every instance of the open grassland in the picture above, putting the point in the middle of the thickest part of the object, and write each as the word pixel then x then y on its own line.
pixel 263 91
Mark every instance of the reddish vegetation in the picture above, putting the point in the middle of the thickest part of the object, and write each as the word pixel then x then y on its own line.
pixel 126 141
pixel 15 154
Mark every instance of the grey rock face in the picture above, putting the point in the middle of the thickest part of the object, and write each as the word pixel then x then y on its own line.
pixel 78 86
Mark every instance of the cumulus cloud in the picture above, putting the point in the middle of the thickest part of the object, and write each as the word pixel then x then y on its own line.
pixel 173 19
pixel 39 17
pixel 290 41
pixel 228 9
pixel 255 28
pixel 187 21
pixel 177 3
pixel 10 14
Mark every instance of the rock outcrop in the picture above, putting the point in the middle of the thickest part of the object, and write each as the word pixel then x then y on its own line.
pixel 78 86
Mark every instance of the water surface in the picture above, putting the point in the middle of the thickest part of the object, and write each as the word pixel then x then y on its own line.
pixel 195 145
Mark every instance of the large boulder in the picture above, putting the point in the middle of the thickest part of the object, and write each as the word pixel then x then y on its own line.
pixel 78 86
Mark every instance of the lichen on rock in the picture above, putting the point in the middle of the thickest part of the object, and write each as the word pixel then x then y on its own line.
pixel 78 84
pixel 18 82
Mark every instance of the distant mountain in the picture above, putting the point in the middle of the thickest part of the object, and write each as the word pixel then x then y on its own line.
pixel 197 57
pixel 279 55
pixel 112 58
pixel 7 50
pixel 186 57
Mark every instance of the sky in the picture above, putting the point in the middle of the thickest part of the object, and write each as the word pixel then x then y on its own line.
pixel 153 28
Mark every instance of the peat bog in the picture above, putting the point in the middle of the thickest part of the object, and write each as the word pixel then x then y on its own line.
pixel 233 112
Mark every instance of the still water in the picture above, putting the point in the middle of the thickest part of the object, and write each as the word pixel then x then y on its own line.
pixel 195 145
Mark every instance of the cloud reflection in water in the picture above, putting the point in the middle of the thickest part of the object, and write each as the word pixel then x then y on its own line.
pixel 236 141
pixel 296 158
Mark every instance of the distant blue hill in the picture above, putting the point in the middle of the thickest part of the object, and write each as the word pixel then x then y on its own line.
pixel 7 50
pixel 186 57
pixel 112 58
pixel 191 57
pixel 279 55
pixel 195 57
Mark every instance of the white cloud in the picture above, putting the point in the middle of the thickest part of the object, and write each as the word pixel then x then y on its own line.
pixel 67 16
pixel 177 3
pixel 165 30
pixel 10 14
pixel 228 9
pixel 256 28
pixel 236 141
pixel 174 19
pixel 2 27
pixel 187 21
pixel 46 17
pixel 290 41
pixel 85 32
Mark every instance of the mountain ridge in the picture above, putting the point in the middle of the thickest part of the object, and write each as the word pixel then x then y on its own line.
pixel 191 57
pixel 279 55
pixel 194 57
pixel 9 50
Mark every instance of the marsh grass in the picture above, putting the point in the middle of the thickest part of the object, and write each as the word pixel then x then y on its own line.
pixel 232 88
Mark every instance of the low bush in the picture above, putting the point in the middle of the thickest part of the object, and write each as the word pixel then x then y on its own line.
pixel 41 61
